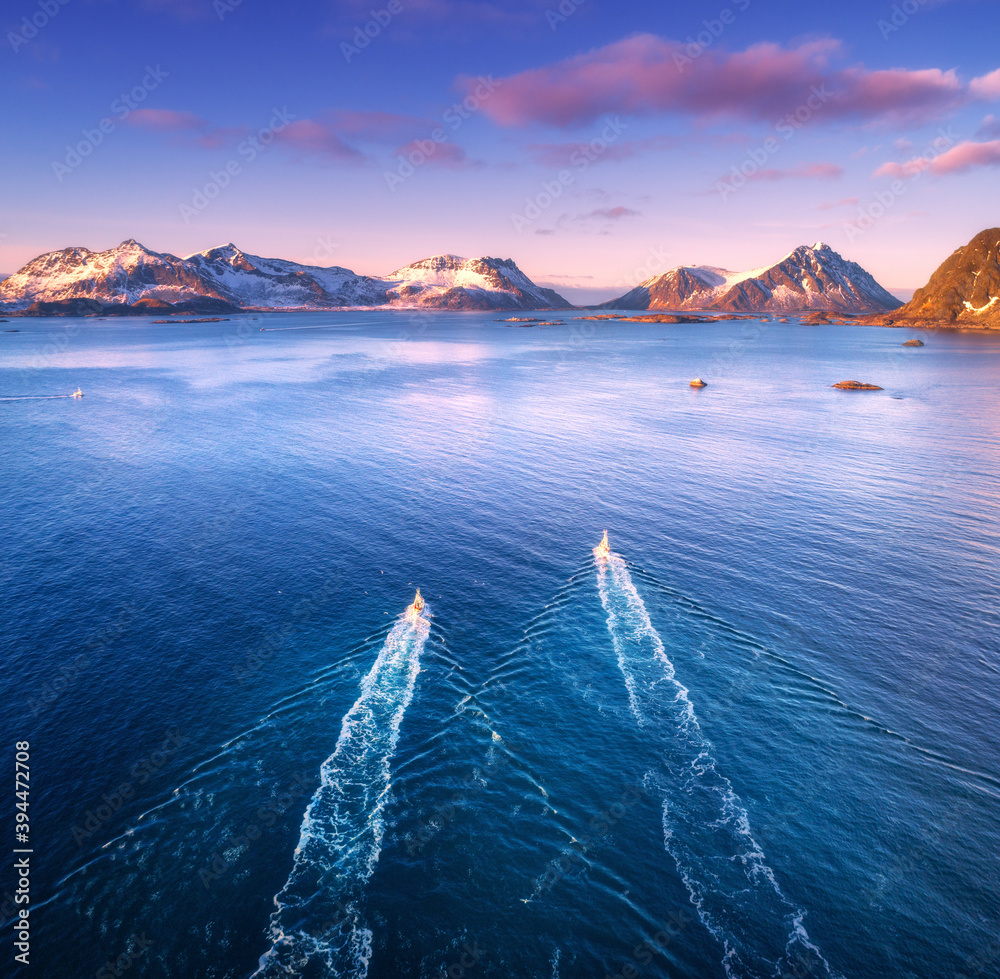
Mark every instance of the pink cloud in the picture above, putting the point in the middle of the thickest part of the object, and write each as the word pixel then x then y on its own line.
pixel 167 120
pixel 442 154
pixel 614 213
pixel 844 201
pixel 388 127
pixel 648 75
pixel 898 96
pixel 559 155
pixel 986 87
pixel 897 170
pixel 990 128
pixel 222 136
pixel 199 131
pixel 808 171
pixel 333 134
pixel 312 137
pixel 965 156
pixel 599 218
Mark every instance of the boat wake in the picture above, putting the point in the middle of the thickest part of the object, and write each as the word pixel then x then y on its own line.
pixel 317 928
pixel 38 397
pixel 706 829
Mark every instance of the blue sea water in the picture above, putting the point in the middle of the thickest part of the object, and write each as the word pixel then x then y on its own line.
pixel 761 739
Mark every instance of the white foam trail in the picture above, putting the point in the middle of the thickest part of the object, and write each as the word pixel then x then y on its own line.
pixel 317 928
pixel 36 397
pixel 705 827
pixel 325 326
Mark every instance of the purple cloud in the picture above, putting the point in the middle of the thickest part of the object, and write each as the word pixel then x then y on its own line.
pixel 193 128
pixel 807 171
pixel 644 76
pixel 969 155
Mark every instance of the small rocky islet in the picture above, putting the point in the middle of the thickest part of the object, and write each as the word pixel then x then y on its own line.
pixel 855 386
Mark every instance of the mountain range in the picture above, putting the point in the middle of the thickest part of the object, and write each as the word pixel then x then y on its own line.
pixel 226 278
pixel 808 278
pixel 964 291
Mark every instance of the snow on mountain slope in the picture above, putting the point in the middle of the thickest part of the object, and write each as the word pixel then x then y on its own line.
pixel 250 280
pixel 965 289
pixel 130 273
pixel 808 278
pixel 124 274
pixel 452 282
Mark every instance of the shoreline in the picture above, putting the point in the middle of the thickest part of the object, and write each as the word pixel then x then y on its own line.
pixel 809 317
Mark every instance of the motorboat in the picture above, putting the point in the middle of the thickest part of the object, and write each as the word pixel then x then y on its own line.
pixel 604 548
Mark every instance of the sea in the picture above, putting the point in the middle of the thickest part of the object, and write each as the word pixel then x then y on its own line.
pixel 759 737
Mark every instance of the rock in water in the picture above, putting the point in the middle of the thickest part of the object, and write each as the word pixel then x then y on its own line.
pixel 855 386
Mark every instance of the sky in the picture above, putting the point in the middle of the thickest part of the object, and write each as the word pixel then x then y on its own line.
pixel 595 143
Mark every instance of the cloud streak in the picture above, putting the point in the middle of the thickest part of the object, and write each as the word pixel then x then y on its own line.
pixel 989 129
pixel 186 127
pixel 559 155
pixel 807 171
pixel 448 155
pixel 314 138
pixel 968 155
pixel 642 76
pixel 333 136
pixel 843 202
pixel 986 87
pixel 613 213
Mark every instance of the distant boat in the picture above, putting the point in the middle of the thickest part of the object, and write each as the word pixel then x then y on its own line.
pixel 77 393
pixel 604 548
pixel 418 604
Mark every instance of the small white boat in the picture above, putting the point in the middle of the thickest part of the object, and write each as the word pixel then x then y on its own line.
pixel 418 604
pixel 604 548
pixel 78 393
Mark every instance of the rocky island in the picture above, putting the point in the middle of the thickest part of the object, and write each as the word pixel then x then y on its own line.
pixel 855 386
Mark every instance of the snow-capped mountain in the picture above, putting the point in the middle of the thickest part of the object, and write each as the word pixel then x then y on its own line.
pixel 965 289
pixel 809 278
pixel 124 274
pixel 131 274
pixel 451 282
pixel 249 280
